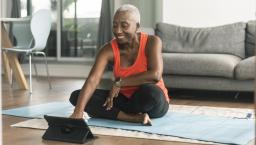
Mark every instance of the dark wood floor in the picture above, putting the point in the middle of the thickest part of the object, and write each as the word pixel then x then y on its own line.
pixel 62 87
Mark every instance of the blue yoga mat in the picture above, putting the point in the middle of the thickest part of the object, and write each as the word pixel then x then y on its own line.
pixel 62 109
pixel 199 127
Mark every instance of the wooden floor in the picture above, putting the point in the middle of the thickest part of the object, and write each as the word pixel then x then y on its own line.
pixel 13 97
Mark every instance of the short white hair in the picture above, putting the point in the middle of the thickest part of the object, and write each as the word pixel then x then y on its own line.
pixel 132 9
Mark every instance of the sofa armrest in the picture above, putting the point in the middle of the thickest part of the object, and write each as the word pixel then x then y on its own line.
pixel 245 69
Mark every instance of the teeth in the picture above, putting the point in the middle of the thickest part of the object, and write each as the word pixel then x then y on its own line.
pixel 120 36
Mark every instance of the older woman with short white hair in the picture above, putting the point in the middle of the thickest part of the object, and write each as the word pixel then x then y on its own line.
pixel 138 92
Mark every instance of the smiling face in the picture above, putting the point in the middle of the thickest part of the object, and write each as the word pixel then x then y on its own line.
pixel 124 27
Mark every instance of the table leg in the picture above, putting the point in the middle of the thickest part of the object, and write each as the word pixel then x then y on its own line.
pixel 17 71
pixel 7 70
pixel 5 42
pixel 11 57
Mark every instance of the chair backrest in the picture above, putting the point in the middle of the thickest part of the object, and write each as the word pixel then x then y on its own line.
pixel 22 34
pixel 40 27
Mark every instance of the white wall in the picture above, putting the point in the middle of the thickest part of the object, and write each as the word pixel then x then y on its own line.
pixel 206 13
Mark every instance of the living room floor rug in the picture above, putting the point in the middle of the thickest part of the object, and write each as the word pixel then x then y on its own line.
pixel 191 122
pixel 42 125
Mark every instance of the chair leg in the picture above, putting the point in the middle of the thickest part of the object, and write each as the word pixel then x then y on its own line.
pixel 30 74
pixel 237 95
pixel 36 70
pixel 12 80
pixel 47 70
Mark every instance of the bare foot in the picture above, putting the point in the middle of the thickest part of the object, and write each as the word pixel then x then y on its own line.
pixel 146 120
pixel 139 118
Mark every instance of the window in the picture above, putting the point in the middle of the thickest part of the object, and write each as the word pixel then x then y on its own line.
pixel 78 22
pixel 80 27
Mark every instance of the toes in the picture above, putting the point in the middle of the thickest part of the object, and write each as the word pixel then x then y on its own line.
pixel 149 123
pixel 146 120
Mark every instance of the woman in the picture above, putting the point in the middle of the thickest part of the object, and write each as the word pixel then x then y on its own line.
pixel 138 92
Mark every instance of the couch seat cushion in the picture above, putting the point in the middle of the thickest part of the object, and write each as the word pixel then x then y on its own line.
pixel 212 65
pixel 246 69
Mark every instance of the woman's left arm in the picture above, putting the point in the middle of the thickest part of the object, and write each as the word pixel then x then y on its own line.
pixel 155 64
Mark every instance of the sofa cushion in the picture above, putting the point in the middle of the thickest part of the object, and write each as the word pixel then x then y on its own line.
pixel 245 69
pixel 250 38
pixel 227 39
pixel 147 30
pixel 211 65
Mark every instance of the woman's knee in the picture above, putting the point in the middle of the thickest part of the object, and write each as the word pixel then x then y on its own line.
pixel 150 91
pixel 159 111
pixel 149 97
pixel 74 97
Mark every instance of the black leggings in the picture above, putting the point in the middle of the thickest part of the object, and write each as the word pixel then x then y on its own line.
pixel 149 98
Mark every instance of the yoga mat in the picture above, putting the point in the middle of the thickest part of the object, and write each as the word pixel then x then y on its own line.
pixel 201 127
pixel 62 109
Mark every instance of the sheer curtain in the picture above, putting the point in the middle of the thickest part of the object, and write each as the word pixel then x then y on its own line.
pixel 105 26
pixel 15 13
pixel 105 29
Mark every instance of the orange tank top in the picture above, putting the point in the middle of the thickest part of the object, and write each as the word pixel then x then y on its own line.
pixel 140 65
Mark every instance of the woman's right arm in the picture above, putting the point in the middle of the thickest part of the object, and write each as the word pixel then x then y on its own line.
pixel 104 56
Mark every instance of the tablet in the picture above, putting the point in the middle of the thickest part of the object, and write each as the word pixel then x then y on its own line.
pixel 67 130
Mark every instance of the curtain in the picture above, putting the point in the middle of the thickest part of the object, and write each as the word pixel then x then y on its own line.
pixel 105 29
pixel 15 13
pixel 29 8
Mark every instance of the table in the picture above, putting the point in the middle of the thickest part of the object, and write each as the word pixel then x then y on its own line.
pixel 10 60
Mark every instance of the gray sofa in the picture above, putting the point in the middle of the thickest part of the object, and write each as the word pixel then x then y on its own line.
pixel 215 58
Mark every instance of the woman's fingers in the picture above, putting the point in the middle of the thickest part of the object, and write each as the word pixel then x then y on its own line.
pixel 110 103
pixel 113 94
pixel 105 103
